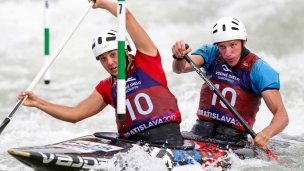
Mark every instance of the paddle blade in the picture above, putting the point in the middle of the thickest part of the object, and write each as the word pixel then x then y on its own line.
pixel 4 123
pixel 271 155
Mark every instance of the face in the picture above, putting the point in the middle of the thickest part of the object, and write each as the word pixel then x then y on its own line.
pixel 109 61
pixel 231 51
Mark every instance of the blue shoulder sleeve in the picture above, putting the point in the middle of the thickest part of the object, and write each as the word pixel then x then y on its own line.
pixel 208 52
pixel 263 77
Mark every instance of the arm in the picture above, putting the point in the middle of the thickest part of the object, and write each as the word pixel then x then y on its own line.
pixel 279 121
pixel 182 66
pixel 140 38
pixel 88 107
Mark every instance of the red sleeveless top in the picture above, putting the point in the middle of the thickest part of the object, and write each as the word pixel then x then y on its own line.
pixel 149 102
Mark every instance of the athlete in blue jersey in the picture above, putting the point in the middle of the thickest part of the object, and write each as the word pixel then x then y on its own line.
pixel 242 78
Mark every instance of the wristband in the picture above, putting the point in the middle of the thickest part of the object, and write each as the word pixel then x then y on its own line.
pixel 179 59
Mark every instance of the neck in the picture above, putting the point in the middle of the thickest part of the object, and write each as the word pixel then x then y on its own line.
pixel 245 51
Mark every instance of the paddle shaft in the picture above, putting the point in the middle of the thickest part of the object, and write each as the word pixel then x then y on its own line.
pixel 121 77
pixel 45 67
pixel 220 95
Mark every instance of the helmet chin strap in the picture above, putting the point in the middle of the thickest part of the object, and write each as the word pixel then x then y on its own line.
pixel 127 62
pixel 127 57
pixel 245 51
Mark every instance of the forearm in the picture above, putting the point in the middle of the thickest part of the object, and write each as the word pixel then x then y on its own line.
pixel 180 66
pixel 277 125
pixel 275 104
pixel 63 113
pixel 111 7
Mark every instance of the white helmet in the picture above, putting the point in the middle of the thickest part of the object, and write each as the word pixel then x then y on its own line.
pixel 228 28
pixel 106 41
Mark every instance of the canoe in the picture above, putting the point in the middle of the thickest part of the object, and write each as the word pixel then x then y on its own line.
pixel 87 152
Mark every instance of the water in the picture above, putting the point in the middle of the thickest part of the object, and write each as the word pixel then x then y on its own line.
pixel 274 33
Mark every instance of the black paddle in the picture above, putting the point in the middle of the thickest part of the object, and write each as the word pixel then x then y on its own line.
pixel 223 99
pixel 10 115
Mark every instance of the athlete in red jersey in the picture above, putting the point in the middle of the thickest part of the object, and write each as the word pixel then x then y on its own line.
pixel 149 102
pixel 241 77
pixel 152 112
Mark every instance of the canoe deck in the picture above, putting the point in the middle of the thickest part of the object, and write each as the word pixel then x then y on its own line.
pixel 86 152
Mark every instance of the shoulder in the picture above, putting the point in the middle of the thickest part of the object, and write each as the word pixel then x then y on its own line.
pixel 104 89
pixel 104 85
pixel 141 58
pixel 140 54
pixel 106 81
pixel 262 67
pixel 264 77
pixel 207 51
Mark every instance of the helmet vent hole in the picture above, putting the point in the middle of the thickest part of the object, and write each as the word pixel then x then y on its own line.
pixel 235 23
pixel 214 31
pixel 113 34
pixel 224 27
pixel 110 39
pixel 234 28
pixel 236 19
pixel 215 25
pixel 99 40
pixel 93 46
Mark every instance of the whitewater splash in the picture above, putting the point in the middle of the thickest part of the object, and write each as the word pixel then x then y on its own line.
pixel 273 34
